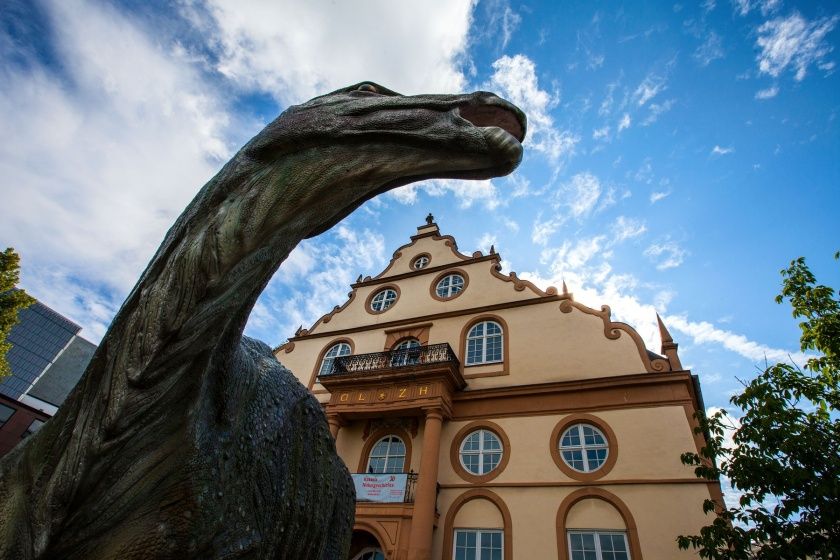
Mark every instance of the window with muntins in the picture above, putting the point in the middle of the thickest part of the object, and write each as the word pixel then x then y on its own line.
pixel 478 544
pixel 583 447
pixel 387 456
pixel 481 452
pixel 370 554
pixel 337 350
pixel 420 262
pixel 598 545
pixel 33 427
pixel 404 354
pixel 484 343
pixel 383 300
pixel 449 286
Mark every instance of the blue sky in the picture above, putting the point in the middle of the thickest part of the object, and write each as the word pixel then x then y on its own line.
pixel 679 154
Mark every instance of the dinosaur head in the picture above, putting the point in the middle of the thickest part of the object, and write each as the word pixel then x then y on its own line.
pixel 386 140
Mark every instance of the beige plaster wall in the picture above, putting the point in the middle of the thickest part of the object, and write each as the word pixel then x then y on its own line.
pixel 661 513
pixel 479 513
pixel 594 514
pixel 649 441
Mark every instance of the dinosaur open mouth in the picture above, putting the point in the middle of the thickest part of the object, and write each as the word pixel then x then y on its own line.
pixel 494 115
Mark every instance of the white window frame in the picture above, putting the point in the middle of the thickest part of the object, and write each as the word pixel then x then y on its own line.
pixel 584 447
pixel 330 356
pixel 383 300
pixel 599 555
pixel 481 451
pixel 403 357
pixel 451 289
pixel 478 533
pixel 422 261
pixel 388 455
pixel 483 338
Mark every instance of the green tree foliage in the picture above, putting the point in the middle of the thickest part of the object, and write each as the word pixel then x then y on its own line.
pixel 12 300
pixel 784 458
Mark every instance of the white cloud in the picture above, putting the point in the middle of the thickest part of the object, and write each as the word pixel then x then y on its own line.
pixel 710 50
pixel 650 87
pixel 486 241
pixel 103 159
pixel 295 50
pixel 656 196
pixel 627 228
pixel 607 103
pixel 580 194
pixel 602 133
pixel 541 231
pixel 767 93
pixel 721 151
pixel 657 109
pixel 624 122
pixel 467 193
pixel 793 42
pixel 744 7
pixel 667 254
pixel 703 332
pixel 516 79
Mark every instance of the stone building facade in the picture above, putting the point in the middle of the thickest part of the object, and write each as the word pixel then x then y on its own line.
pixel 487 419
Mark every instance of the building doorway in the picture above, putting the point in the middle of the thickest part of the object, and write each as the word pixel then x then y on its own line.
pixel 364 546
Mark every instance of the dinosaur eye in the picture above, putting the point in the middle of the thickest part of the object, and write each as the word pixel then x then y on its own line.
pixel 367 87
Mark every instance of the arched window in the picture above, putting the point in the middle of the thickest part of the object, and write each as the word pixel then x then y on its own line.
pixel 583 447
pixel 387 456
pixel 481 452
pixel 406 353
pixel 340 349
pixel 383 300
pixel 449 286
pixel 484 343
pixel 370 554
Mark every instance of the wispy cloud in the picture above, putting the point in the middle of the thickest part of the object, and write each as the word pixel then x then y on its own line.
pixel 721 151
pixel 624 123
pixel 665 255
pixel 710 50
pixel 744 7
pixel 657 109
pixel 649 88
pixel 516 78
pixel 581 194
pixel 793 42
pixel 656 196
pixel 602 133
pixel 626 228
pixel 767 93
pixel 467 193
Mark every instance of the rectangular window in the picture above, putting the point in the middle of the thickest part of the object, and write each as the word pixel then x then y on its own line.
pixel 598 545
pixel 6 412
pixel 478 544
pixel 33 427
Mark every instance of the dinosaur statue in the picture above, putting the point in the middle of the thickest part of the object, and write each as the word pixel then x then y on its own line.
pixel 185 439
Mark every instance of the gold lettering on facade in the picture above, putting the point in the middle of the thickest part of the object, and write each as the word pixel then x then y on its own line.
pixel 381 395
pixel 344 397
pixel 424 390
pixel 403 392
pixel 361 397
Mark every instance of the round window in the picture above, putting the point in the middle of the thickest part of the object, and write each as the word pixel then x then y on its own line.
pixel 449 286
pixel 584 448
pixel 420 262
pixel 481 452
pixel 383 300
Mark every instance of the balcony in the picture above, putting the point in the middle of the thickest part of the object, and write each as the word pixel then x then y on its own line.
pixel 380 362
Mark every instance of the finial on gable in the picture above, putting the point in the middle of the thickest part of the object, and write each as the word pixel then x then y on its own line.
pixel 669 347
pixel 430 219
pixel 492 249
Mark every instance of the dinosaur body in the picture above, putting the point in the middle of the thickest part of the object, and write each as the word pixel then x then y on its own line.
pixel 185 439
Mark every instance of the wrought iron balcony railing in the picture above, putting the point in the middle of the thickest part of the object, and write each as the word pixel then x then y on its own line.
pixel 379 361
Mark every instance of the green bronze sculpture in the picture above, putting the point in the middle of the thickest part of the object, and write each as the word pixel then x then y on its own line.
pixel 185 439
